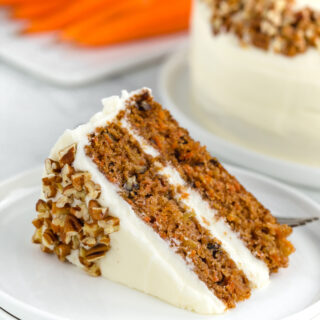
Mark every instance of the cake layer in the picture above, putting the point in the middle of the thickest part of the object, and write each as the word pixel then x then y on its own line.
pixel 238 208
pixel 260 99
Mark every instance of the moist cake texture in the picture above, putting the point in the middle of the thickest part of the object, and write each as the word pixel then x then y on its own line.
pixel 132 197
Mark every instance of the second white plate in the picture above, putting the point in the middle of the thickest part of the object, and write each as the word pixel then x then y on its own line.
pixel 64 64
pixel 36 286
pixel 174 87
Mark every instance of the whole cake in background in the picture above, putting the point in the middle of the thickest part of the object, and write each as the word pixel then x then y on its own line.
pixel 132 197
pixel 255 70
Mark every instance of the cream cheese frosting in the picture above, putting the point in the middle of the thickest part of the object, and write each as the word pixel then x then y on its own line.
pixel 260 99
pixel 154 266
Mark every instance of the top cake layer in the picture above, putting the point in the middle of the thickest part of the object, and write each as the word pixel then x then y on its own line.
pixel 287 27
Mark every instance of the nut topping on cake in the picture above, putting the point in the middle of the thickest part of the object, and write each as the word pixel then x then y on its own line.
pixel 69 221
pixel 267 24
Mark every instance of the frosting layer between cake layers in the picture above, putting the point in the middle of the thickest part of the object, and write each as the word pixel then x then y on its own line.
pixel 154 266
pixel 258 98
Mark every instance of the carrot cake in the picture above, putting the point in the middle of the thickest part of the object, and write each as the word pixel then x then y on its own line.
pixel 132 197
pixel 255 74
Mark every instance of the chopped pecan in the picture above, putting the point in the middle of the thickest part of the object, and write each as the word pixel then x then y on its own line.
pixel 105 239
pixel 96 252
pixel 66 174
pixel 57 223
pixel 62 251
pixel 72 224
pixel 63 200
pixel 67 155
pixel 80 211
pixel 49 191
pixel 42 206
pixel 59 211
pixel 91 229
pixel 37 236
pixel 48 238
pixel 109 224
pixel 38 223
pixel 96 211
pixel 46 249
pixel 89 241
pixel 94 270
pixel 77 180
pixel 52 166
pixel 93 189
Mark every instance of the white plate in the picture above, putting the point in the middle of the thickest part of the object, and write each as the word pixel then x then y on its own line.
pixel 63 64
pixel 5 315
pixel 174 88
pixel 36 286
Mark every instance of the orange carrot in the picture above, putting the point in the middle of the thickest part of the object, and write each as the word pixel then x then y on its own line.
pixel 73 11
pixel 14 2
pixel 36 9
pixel 117 8
pixel 102 22
pixel 165 18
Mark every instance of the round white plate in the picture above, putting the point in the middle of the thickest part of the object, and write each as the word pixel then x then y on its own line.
pixel 174 88
pixel 36 286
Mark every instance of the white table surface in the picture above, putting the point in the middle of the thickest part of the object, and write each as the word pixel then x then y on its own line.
pixel 33 113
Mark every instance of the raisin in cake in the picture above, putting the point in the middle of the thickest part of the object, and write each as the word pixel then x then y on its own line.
pixel 132 197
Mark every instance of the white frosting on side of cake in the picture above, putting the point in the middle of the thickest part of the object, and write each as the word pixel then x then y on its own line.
pixel 263 100
pixel 138 257
pixel 256 270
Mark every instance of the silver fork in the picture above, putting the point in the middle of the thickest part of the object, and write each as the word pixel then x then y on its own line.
pixel 296 222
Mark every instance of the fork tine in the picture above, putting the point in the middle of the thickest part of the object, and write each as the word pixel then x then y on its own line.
pixel 296 222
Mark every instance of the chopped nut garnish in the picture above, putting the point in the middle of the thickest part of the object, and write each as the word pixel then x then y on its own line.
pixel 92 189
pixel 48 238
pixel 37 222
pixel 96 211
pixel 37 236
pixel 78 180
pixel 91 229
pixel 49 191
pixel 46 249
pixel 96 252
pixel 66 173
pixel 63 200
pixel 67 155
pixel 52 166
pixel 42 206
pixel 266 24
pixel 62 251
pixel 65 223
pixel 80 211
pixel 109 225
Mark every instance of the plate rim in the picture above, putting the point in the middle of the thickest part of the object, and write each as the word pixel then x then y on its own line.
pixel 278 168
pixel 18 308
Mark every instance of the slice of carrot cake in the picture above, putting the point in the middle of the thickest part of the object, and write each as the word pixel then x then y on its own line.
pixel 132 197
